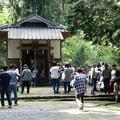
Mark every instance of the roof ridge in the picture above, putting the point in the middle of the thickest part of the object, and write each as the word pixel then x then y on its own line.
pixel 33 15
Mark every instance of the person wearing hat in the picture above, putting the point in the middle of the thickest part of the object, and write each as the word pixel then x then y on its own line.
pixel 26 77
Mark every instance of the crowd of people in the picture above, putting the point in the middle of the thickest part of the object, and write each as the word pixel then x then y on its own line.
pixel 61 74
pixel 10 78
pixel 66 74
pixel 100 76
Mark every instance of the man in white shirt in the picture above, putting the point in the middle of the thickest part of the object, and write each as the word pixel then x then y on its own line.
pixel 55 75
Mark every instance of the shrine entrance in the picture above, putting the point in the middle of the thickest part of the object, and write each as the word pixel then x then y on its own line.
pixel 37 59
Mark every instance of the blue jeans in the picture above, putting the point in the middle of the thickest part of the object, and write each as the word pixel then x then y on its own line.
pixel 56 84
pixel 33 82
pixel 5 90
pixel 13 88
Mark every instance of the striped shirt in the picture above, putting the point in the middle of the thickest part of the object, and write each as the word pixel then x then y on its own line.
pixel 80 83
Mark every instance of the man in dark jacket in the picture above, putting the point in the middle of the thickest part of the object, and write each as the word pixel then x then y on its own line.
pixel 4 83
pixel 106 78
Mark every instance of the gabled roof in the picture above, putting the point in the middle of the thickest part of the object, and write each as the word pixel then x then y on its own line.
pixel 26 29
pixel 34 18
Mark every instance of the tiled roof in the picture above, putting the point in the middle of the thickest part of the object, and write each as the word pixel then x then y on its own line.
pixel 34 33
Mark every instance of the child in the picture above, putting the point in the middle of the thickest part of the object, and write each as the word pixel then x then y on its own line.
pixel 117 89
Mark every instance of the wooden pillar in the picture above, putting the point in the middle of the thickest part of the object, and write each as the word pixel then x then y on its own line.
pixel 6 48
pixel 48 58
pixel 35 59
pixel 20 56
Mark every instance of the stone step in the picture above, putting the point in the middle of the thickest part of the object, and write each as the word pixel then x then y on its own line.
pixel 69 98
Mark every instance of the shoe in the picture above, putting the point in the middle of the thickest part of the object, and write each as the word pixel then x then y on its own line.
pixel 81 108
pixel 10 107
pixel 27 95
pixel 96 90
pixel 93 93
pixel 57 92
pixel 68 91
pixel 16 104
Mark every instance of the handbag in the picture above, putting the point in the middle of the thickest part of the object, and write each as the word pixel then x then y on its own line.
pixel 102 85
pixel 63 76
pixel 72 82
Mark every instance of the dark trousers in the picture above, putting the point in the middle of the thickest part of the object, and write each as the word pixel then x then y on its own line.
pixel 111 85
pixel 94 82
pixel 5 90
pixel 25 84
pixel 106 85
pixel 81 97
pixel 67 87
pixel 56 85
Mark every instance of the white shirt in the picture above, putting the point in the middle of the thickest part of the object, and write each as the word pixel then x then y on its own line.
pixel 113 74
pixel 55 72
pixel 102 67
pixel 17 71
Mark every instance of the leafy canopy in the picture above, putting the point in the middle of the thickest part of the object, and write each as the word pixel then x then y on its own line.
pixel 98 19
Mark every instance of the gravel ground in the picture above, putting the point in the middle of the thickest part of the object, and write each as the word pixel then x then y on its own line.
pixel 60 110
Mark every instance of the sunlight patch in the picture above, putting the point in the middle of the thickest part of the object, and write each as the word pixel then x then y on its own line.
pixel 72 111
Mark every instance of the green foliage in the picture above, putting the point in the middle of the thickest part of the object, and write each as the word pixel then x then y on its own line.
pixel 69 49
pixel 98 19
pixel 5 13
pixel 53 10
pixel 80 56
pixel 2 52
pixel 83 53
